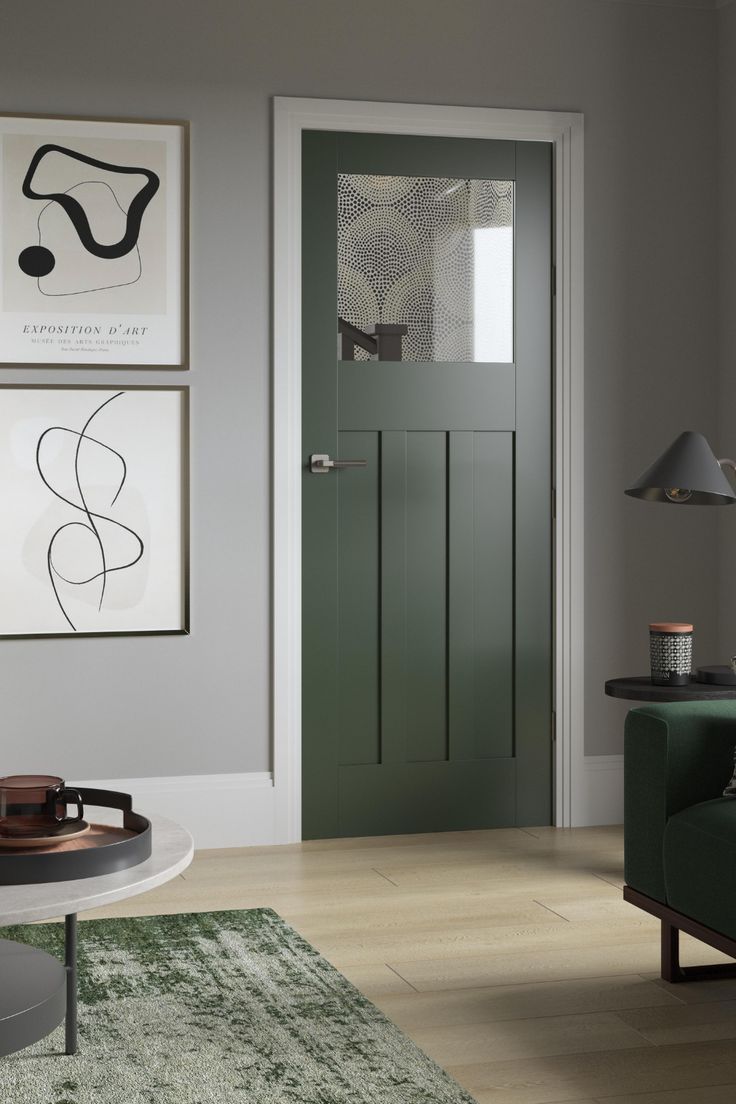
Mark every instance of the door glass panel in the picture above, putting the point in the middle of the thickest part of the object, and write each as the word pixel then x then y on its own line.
pixel 432 255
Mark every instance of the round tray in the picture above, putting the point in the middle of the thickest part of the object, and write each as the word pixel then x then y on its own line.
pixel 102 850
pixel 64 835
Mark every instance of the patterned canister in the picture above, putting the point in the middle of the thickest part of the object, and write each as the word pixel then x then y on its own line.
pixel 671 653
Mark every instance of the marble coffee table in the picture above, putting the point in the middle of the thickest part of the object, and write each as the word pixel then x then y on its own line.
pixel 38 990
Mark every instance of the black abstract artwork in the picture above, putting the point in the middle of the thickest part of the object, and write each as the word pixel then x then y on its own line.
pixel 96 526
pixel 38 261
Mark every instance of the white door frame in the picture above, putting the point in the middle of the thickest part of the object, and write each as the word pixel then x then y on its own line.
pixel 565 132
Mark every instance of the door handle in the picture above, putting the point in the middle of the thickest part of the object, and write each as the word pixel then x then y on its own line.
pixel 320 463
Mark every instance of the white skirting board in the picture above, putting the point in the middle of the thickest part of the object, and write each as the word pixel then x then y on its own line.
pixel 240 810
pixel 220 810
pixel 602 799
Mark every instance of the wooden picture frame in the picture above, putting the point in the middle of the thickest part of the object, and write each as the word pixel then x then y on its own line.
pixel 94 255
pixel 94 493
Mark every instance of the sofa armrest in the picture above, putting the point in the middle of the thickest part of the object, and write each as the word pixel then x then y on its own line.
pixel 675 755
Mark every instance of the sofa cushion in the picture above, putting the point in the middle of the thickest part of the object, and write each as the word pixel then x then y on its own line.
pixel 700 863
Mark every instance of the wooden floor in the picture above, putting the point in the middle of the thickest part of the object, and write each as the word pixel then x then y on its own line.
pixel 508 956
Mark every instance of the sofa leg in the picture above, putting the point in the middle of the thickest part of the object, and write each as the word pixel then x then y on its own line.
pixel 671 969
pixel 673 972
pixel 673 923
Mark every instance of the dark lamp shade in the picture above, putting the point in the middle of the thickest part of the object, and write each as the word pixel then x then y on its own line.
pixel 687 474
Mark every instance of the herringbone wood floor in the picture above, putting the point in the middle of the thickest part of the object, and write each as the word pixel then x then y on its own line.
pixel 509 956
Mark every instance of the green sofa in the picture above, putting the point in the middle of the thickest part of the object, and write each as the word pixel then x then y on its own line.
pixel 679 830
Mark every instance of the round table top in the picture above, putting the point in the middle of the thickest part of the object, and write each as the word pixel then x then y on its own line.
pixel 641 688
pixel 172 852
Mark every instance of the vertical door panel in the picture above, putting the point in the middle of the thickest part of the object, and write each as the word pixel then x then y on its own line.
pixel 481 593
pixel 533 612
pixel 461 596
pixel 359 601
pixel 393 597
pixel 319 493
pixel 426 592
pixel 493 577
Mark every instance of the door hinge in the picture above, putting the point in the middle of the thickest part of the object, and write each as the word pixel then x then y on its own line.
pixel 554 727
pixel 554 503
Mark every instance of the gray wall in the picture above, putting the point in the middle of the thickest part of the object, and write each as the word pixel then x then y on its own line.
pixel 645 78
pixel 727 313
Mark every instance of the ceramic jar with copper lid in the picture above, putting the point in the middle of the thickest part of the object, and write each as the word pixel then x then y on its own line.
pixel 671 653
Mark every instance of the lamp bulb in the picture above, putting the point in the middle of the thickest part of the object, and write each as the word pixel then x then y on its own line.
pixel 678 494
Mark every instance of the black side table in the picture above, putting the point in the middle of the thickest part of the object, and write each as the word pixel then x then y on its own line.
pixel 641 688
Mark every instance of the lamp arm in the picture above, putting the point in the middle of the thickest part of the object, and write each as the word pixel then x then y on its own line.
pixel 729 468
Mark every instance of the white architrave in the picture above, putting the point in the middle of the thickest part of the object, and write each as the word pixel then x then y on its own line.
pixel 565 132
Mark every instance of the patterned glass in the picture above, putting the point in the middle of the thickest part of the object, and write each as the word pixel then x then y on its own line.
pixel 434 254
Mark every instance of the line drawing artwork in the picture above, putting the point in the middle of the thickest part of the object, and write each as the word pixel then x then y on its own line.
pixel 39 261
pixel 94 522
pixel 84 291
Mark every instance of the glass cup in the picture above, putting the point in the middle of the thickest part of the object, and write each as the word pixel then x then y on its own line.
pixel 34 803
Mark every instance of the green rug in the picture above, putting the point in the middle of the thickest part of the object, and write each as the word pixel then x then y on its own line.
pixel 217 1008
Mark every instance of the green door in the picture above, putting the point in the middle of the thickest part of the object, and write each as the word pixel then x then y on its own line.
pixel 427 608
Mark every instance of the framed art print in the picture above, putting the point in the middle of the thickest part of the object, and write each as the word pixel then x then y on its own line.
pixel 94 501
pixel 93 242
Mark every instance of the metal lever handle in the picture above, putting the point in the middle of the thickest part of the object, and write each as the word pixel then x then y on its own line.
pixel 320 463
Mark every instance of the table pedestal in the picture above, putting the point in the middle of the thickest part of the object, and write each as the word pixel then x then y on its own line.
pixel 70 963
